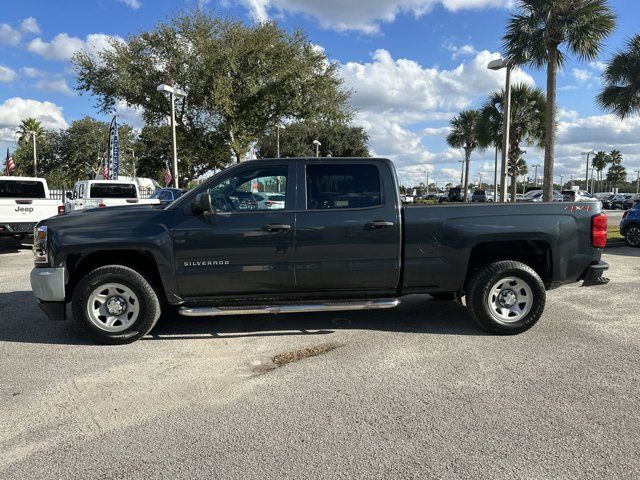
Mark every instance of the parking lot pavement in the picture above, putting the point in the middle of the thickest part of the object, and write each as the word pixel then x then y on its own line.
pixel 416 392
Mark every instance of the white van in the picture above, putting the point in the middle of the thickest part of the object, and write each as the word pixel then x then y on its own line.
pixel 24 201
pixel 104 193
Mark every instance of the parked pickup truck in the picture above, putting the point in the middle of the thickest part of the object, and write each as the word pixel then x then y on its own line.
pixel 340 241
pixel 104 193
pixel 24 201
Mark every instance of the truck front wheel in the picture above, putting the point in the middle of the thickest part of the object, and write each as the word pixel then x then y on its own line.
pixel 506 297
pixel 115 305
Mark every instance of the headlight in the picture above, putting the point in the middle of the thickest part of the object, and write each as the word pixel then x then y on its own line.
pixel 40 251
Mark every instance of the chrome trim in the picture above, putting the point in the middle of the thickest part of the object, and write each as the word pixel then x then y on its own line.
pixel 301 308
pixel 48 284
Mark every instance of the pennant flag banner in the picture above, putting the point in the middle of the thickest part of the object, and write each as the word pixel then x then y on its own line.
pixel 114 149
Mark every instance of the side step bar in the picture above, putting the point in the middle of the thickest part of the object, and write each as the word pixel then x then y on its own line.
pixel 297 308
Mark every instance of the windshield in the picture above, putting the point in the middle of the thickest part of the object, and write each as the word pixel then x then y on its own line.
pixel 113 190
pixel 21 189
pixel 533 194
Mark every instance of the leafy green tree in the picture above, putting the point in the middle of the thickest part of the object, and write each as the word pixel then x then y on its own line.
pixel 621 91
pixel 466 134
pixel 617 173
pixel 528 110
pixel 543 33
pixel 48 155
pixel 296 140
pixel 241 81
pixel 30 131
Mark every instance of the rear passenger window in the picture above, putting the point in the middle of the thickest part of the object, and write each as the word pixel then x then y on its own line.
pixel 343 186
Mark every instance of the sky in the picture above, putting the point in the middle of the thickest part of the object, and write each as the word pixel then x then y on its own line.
pixel 410 64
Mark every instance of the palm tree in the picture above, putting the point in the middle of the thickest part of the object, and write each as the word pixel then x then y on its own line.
pixel 599 163
pixel 528 110
pixel 517 167
pixel 540 34
pixel 621 93
pixel 617 173
pixel 30 129
pixel 465 133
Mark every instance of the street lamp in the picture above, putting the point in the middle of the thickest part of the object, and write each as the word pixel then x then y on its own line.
pixel 561 184
pixel 496 65
pixel 535 178
pixel 278 127
pixel 637 172
pixel 461 174
pixel 133 158
pixel 173 93
pixel 427 180
pixel 317 144
pixel 588 154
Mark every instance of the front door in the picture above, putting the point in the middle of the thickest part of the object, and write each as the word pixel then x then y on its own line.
pixel 348 231
pixel 245 245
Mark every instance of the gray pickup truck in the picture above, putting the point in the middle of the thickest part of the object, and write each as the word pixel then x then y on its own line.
pixel 336 237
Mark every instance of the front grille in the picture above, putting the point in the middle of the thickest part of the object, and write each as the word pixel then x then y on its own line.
pixel 20 227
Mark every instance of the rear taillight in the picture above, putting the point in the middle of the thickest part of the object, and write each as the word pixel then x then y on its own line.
pixel 60 209
pixel 101 205
pixel 599 231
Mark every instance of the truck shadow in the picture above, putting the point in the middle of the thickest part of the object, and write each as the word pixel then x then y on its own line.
pixel 22 321
pixel 8 245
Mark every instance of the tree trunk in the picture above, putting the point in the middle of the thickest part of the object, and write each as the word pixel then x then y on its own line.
pixel 467 154
pixel 550 128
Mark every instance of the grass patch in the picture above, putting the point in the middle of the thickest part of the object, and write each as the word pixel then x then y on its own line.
pixel 613 233
pixel 306 352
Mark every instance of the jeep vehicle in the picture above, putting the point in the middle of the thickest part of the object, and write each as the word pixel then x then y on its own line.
pixel 105 193
pixel 24 201
pixel 343 241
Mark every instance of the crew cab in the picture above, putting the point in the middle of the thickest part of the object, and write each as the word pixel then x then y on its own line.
pixel 104 193
pixel 341 240
pixel 24 201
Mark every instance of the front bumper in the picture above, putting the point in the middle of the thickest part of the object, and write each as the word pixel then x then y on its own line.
pixel 593 275
pixel 48 285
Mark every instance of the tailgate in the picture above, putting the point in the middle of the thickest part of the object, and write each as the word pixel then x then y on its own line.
pixel 25 210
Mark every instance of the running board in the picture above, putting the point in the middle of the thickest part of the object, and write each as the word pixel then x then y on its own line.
pixel 299 308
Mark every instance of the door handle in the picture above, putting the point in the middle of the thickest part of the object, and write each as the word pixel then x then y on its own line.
pixel 276 227
pixel 378 224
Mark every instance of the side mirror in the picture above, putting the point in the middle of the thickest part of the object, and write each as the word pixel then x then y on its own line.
pixel 69 195
pixel 201 204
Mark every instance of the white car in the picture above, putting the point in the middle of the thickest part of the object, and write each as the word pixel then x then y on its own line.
pixel 270 201
pixel 104 193
pixel 24 201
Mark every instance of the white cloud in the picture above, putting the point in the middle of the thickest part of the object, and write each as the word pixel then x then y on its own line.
pixel 130 115
pixel 15 109
pixel 31 72
pixel 9 35
pixel 58 85
pixel 364 16
pixel 63 46
pixel 133 4
pixel 30 25
pixel 598 65
pixel 582 75
pixel 7 74
pixel 457 51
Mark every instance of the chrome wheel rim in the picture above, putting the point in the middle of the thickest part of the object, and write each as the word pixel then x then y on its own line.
pixel 113 307
pixel 510 300
pixel 633 236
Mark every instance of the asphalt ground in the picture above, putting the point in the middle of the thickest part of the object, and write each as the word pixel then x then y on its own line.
pixel 415 392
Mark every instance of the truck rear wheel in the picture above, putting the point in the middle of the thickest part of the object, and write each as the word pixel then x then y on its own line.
pixel 506 297
pixel 115 305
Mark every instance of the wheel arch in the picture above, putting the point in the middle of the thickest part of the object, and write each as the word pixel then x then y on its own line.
pixel 534 253
pixel 142 261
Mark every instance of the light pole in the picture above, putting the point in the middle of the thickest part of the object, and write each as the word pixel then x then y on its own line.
pixel 480 183
pixel 588 154
pixel 637 172
pixel 278 139
pixel 499 64
pixel 461 174
pixel 173 93
pixel 35 158
pixel 535 177
pixel 495 177
pixel 133 158
pixel 561 184
pixel 317 144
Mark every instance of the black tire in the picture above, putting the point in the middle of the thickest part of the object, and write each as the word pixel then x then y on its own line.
pixel 148 304
pixel 632 236
pixel 479 292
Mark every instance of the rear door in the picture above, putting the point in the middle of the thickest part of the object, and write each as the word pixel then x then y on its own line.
pixel 239 248
pixel 348 227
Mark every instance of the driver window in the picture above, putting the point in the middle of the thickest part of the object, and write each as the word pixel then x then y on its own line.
pixel 257 189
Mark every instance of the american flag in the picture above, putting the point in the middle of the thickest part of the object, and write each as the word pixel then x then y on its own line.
pixel 105 171
pixel 11 166
pixel 167 177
